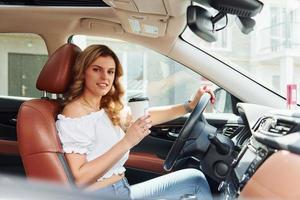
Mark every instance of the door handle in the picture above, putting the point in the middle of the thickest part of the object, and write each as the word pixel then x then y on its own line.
pixel 13 121
pixel 172 134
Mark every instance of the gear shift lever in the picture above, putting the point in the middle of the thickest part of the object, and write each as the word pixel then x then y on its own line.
pixel 221 147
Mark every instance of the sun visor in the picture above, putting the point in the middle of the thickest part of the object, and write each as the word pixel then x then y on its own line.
pixel 143 24
pixel 141 6
pixel 124 4
pixel 97 24
pixel 140 17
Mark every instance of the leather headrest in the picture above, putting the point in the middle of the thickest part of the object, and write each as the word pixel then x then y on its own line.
pixel 56 75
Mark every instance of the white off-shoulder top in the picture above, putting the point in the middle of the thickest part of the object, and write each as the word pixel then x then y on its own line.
pixel 93 135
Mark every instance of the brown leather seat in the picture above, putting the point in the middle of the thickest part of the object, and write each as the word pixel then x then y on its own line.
pixel 39 144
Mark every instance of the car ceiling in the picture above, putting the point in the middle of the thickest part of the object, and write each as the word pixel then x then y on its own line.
pixel 97 3
pixel 57 23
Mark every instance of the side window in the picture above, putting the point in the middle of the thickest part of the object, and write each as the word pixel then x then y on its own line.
pixel 22 57
pixel 150 74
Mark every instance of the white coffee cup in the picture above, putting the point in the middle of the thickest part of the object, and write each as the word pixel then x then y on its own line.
pixel 138 107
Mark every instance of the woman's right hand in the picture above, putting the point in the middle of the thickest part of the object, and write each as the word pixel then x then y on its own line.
pixel 137 131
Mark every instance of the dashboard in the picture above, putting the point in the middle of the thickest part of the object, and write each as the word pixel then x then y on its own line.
pixel 271 131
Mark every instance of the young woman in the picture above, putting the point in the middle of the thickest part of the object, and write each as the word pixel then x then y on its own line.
pixel 96 147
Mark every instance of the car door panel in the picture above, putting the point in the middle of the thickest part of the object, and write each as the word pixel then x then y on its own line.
pixel 10 161
pixel 9 147
pixel 146 159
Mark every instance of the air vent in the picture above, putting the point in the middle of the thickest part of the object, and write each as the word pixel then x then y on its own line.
pixel 281 127
pixel 230 131
pixel 266 123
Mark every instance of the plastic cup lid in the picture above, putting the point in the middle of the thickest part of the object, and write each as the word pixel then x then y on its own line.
pixel 138 99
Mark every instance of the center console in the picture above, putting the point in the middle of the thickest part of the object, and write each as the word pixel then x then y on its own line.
pixel 244 166
pixel 248 160
pixel 277 131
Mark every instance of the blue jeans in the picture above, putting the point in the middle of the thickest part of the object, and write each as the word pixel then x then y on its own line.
pixel 118 190
pixel 169 186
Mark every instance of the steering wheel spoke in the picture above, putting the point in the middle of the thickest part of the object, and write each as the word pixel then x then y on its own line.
pixel 192 126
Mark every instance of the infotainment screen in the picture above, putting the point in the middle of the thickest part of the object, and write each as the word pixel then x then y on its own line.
pixel 244 163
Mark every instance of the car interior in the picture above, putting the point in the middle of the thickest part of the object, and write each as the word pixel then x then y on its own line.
pixel 248 150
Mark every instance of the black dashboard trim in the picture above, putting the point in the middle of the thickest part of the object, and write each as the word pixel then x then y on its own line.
pixel 290 142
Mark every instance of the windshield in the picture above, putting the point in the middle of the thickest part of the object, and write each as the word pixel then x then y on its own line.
pixel 270 54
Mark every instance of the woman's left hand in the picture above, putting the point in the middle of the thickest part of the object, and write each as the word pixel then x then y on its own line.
pixel 199 94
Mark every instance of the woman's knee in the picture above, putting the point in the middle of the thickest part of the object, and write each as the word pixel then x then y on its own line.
pixel 194 172
pixel 195 176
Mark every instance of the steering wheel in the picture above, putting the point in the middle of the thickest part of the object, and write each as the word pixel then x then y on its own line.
pixel 185 133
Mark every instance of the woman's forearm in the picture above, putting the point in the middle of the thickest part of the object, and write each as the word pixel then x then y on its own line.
pixel 163 114
pixel 91 171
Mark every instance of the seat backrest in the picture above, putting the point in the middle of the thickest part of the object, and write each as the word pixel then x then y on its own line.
pixel 39 144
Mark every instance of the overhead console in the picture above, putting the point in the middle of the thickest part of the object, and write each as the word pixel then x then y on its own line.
pixel 140 6
pixel 145 18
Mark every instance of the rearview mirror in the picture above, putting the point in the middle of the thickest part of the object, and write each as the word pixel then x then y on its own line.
pixel 202 23
pixel 243 8
pixel 199 21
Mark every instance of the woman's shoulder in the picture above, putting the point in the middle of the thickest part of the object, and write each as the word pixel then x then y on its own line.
pixel 74 129
pixel 73 110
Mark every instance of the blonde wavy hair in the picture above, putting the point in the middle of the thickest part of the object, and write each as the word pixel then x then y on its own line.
pixel 111 102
